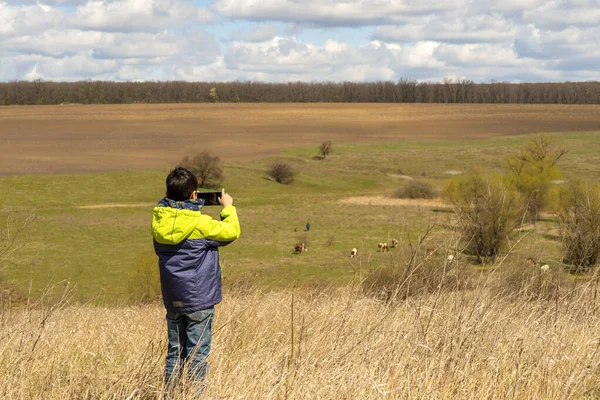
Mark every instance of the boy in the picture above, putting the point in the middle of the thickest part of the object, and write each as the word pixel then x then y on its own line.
pixel 186 243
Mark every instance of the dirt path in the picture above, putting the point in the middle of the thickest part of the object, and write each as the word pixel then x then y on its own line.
pixel 117 205
pixel 388 201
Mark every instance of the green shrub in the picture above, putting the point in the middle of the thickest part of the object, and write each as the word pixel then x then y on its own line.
pixel 281 172
pixel 531 170
pixel 416 189
pixel 577 208
pixel 487 208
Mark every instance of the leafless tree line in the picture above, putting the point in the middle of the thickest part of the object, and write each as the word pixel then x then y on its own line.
pixel 401 91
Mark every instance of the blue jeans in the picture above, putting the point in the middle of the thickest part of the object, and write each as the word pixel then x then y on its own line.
pixel 189 344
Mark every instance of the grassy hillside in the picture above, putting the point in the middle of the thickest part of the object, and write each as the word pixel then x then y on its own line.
pixel 105 251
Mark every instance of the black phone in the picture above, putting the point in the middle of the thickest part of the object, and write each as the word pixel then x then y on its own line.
pixel 210 198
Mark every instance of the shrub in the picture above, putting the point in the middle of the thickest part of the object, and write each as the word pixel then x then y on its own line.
pixel 207 169
pixel 486 207
pixel 577 209
pixel 326 148
pixel 532 169
pixel 281 172
pixel 416 189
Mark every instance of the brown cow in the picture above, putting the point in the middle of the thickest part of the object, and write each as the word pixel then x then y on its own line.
pixel 300 247
pixel 383 247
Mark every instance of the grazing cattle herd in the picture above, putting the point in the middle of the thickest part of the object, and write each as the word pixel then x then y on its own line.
pixel 301 247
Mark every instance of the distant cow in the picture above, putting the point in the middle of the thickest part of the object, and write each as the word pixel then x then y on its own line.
pixel 300 247
pixel 394 243
pixel 545 268
pixel 383 247
pixel 353 252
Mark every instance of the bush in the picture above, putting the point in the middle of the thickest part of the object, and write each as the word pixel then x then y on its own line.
pixel 532 169
pixel 416 189
pixel 207 169
pixel 577 209
pixel 486 207
pixel 282 173
pixel 326 148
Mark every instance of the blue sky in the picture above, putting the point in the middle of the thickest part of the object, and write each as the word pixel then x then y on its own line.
pixel 299 40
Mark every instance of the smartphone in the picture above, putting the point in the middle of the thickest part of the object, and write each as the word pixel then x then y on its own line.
pixel 210 198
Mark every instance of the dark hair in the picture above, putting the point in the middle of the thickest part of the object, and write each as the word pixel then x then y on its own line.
pixel 181 183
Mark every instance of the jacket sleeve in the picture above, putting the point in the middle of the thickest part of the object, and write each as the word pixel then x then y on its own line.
pixel 226 230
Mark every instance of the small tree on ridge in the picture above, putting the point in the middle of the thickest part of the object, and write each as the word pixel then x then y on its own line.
pixel 207 169
pixel 326 148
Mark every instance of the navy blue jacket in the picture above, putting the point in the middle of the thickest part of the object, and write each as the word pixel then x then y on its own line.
pixel 186 243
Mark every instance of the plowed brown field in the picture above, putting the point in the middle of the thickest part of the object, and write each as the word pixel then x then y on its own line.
pixel 79 138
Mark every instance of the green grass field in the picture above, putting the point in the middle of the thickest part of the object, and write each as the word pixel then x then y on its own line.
pixel 102 249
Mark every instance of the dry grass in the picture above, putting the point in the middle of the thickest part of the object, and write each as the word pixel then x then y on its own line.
pixel 343 345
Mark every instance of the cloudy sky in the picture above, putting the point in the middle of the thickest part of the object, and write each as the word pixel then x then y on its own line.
pixel 307 40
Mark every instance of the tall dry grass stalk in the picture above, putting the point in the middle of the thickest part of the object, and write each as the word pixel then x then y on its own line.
pixel 480 343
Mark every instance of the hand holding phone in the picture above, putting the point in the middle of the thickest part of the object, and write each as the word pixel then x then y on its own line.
pixel 210 198
pixel 225 199
pixel 215 198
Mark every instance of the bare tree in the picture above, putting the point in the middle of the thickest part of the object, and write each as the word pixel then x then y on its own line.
pixel 326 148
pixel 282 173
pixel 207 169
pixel 402 91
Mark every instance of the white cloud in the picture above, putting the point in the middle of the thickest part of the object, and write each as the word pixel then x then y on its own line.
pixel 334 12
pixel 300 40
pixel 137 15
pixel 33 74
pixel 561 14
pixel 47 2
pixel 260 33
pixel 565 44
pixel 481 28
pixel 283 59
pixel 27 20
pixel 474 55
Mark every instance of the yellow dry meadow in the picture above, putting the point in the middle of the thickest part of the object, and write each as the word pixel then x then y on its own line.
pixel 326 344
